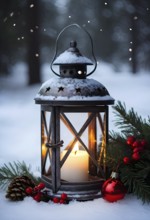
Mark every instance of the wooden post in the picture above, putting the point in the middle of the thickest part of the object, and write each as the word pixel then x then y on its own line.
pixel 92 142
pixel 55 126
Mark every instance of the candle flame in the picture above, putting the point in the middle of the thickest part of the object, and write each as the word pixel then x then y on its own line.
pixel 76 147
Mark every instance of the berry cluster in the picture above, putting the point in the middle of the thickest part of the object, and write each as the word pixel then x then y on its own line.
pixel 38 194
pixel 137 147
pixel 62 200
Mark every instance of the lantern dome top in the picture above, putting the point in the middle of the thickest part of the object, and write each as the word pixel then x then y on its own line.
pixel 72 56
pixel 65 90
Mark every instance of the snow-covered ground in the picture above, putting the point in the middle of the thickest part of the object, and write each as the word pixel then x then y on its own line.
pixel 20 141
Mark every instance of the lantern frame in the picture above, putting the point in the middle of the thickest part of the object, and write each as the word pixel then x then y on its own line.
pixel 51 139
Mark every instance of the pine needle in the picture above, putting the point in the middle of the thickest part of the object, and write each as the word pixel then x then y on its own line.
pixel 11 170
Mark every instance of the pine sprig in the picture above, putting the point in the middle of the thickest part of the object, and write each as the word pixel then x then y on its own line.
pixel 133 179
pixel 130 122
pixel 136 174
pixel 12 170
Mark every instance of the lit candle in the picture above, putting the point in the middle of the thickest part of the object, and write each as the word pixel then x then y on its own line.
pixel 75 168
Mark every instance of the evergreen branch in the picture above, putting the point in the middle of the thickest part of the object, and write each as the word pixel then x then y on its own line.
pixel 15 169
pixel 130 122
pixel 135 183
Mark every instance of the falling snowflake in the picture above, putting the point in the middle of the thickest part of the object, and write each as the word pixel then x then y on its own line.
pixel 5 19
pixel 31 30
pixel 32 5
pixel 131 42
pixel 89 21
pixel 44 29
pixel 14 25
pixel 18 38
pixel 37 55
pixel 130 49
pixel 101 29
pixel 105 3
pixel 135 18
pixel 11 14
pixel 130 29
pixel 130 59
pixel 69 16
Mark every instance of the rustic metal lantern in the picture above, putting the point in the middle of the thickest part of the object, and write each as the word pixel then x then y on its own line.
pixel 74 111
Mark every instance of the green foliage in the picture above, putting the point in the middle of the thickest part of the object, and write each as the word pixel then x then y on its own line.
pixel 136 174
pixel 15 169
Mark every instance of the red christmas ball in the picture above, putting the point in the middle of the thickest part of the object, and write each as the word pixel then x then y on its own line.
pixel 130 140
pixel 126 160
pixel 113 190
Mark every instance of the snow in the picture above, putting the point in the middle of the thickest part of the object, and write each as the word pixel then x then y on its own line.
pixel 66 89
pixel 20 141
pixel 70 58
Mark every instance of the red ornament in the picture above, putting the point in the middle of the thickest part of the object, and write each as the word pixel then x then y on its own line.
pixel 113 190
pixel 41 186
pixel 136 156
pixel 130 140
pixel 126 160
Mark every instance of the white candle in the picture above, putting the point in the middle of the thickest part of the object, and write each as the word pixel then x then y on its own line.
pixel 75 168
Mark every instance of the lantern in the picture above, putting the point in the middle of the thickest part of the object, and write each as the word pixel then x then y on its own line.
pixel 74 127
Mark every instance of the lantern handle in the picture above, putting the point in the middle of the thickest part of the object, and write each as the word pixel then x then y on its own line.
pixel 92 48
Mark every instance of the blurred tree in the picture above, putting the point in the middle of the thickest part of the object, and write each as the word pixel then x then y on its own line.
pixel 33 41
pixel 10 24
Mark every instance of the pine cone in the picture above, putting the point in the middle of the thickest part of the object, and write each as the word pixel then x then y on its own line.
pixel 16 189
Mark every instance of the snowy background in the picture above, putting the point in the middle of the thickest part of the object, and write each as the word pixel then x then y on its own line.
pixel 20 141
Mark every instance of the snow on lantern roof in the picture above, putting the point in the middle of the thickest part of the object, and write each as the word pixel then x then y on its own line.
pixel 68 57
pixel 72 56
pixel 73 89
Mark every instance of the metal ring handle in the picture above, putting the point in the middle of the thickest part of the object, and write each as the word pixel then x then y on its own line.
pixel 56 48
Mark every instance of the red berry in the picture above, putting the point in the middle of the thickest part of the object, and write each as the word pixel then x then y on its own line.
pixel 136 156
pixel 37 197
pixel 36 189
pixel 143 143
pixel 56 200
pixel 64 196
pixel 136 144
pixel 29 190
pixel 137 149
pixel 41 186
pixel 62 201
pixel 130 140
pixel 126 160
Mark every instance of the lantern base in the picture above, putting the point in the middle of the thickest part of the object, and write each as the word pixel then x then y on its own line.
pixel 79 191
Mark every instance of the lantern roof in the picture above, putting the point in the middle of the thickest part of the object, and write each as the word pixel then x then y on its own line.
pixel 72 56
pixel 73 91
